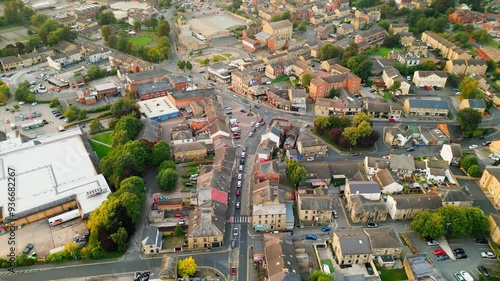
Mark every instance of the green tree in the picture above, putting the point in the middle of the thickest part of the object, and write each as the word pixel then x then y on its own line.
pixel 467 85
pixel 137 25
pixel 474 171
pixel 181 64
pixel 179 231
pixel 119 137
pixel 428 224
pixel 71 249
pixel 457 26
pixel 163 28
pixel 106 18
pixel 442 5
pixel 22 91
pixel 351 134
pixel 155 55
pixel 321 123
pixel 468 161
pixel 455 219
pixel 161 153
pixel 364 129
pixel 129 124
pixel 384 24
pixel 481 35
pixel 96 126
pixel 429 65
pixel 319 275
pixel 151 23
pixel 478 220
pixel 125 106
pixel 134 185
pixel 167 179
pixel 360 117
pixel 106 32
pixel 72 113
pixel 334 93
pixel 295 173
pixel 189 66
pixel 392 41
pixel 95 72
pixel 38 19
pixel 186 267
pixel 469 119
pixel 395 86
pixel 305 79
pixel 302 26
pixel 329 51
pixel 120 238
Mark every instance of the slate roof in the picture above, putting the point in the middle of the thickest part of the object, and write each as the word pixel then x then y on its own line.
pixel 456 196
pixel 152 87
pixel 325 170
pixel 281 258
pixel 402 162
pixel 494 171
pixel 380 163
pixel 384 177
pixel 362 205
pixel 280 24
pixel 417 201
pixel 423 103
pixel 353 242
pixel 206 222
pixel 150 130
pixel 363 187
pixel 314 202
pixel 427 73
pixel 190 146
pixel 477 103
pixel 384 238
pixel 154 237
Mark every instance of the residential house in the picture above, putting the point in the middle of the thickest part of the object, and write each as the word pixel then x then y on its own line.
pixel 327 65
pixel 206 227
pixel 395 28
pixel 407 38
pixel 374 165
pixel 331 173
pixel 241 81
pixel 362 210
pixel 451 153
pixel 426 108
pixel 408 58
pixel 181 134
pixel 189 151
pixel 266 171
pixel 339 107
pixel 153 242
pixel 168 271
pixel 309 146
pixel 272 133
pixel 219 72
pixel 494 227
pixel 150 132
pixel 391 75
pixel 407 206
pixel 448 50
pixel 383 110
pixel 11 63
pixel 476 104
pixel 320 86
pixel 367 189
pixel 314 207
pixel 418 48
pixel 423 78
pixel 282 29
pixel 298 99
pixel 438 170
pixel 387 182
pixel 345 28
pixel 274 70
pixel 342 12
pixel 403 165
pixel 433 136
pixel 467 16
pixel 490 181
pixel 351 247
pixel 280 260
pixel 457 198
pixel 278 98
pixel 370 37
pixel 385 242
pixel 452 131
pixel 300 67
pixel 96 56
pixel 466 67
pixel 147 76
pixel 339 69
pixel 87 11
pixel 272 207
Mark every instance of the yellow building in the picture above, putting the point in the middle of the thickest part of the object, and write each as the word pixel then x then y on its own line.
pixel 477 104
pixel 495 146
pixel 490 182
pixel 282 29
pixel 494 224
pixel 206 228
pixel 351 247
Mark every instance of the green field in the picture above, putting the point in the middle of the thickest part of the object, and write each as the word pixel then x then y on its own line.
pixel 104 138
pixel 100 149
pixel 329 263
pixel 383 51
pixel 392 274
pixel 141 40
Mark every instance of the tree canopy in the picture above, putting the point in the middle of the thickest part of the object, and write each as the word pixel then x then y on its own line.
pixel 469 119
pixel 186 267
pixel 295 172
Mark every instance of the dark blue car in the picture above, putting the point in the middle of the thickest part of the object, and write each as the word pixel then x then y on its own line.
pixel 325 229
pixel 311 237
pixel 233 243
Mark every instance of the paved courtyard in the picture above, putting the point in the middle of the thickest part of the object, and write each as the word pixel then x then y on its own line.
pixel 215 25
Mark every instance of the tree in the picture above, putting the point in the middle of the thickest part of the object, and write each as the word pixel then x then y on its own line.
pixel 334 93
pixel 320 124
pixel 22 91
pixel 429 65
pixel 329 51
pixel 134 185
pixel 71 249
pixel 96 126
pixel 155 55
pixel 428 224
pixel 151 23
pixel 469 119
pixel 129 124
pixel 392 41
pixel 305 79
pixel 95 72
pixel 125 106
pixel 160 153
pixel 186 267
pixel 351 134
pixel 474 171
pixel 364 129
pixel 481 35
pixel 442 5
pixel 119 137
pixel 167 179
pixel 295 173
pixel 456 221
pixel 395 86
pixel 467 85
pixel 106 18
pixel 478 220
pixel 302 26
pixel 179 231
pixel 72 113
pixel 468 161
pixel 189 66
pixel 120 238
pixel 137 25
pixel 360 117
pixel 181 64
pixel 319 275
pixel 163 28
pixel 384 24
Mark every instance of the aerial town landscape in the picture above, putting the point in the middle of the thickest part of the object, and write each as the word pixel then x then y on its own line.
pixel 282 140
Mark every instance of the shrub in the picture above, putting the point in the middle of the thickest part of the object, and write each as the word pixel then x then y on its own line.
pixel 474 171
pixel 99 109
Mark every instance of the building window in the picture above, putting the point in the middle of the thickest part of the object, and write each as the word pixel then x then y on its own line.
pixel 215 239
pixel 306 217
pixel 195 240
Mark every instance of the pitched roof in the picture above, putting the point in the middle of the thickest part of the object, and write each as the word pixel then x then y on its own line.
pixel 384 177
pixel 150 130
pixel 456 196
pixel 315 202
pixel 424 103
pixel 379 163
pixel 353 242
pixel 363 205
pixel 190 146
pixel 384 238
pixel 280 24
pixel 154 237
pixel 363 187
pixel 206 222
pixel 476 103
pixel 280 256
pixel 402 162
pixel 427 73
pixel 494 171
pixel 417 201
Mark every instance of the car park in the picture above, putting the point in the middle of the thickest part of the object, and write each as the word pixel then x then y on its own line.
pixel 481 240
pixel 466 275
pixel 439 252
pixel 325 229
pixel 488 255
pixel 371 225
pixel 458 276
pixel 484 271
pixel 311 237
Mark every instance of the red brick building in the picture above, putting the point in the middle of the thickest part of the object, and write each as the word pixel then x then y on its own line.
pixel 465 16
pixel 320 87
pixel 178 82
pixel 134 79
pixel 251 45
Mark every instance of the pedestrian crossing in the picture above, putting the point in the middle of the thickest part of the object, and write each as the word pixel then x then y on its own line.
pixel 243 219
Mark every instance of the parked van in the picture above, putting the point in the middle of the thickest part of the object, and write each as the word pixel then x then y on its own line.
pixel 235 129
pixel 233 121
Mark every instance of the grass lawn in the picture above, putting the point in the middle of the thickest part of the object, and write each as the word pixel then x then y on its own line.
pixel 329 263
pixel 282 78
pixel 326 138
pixel 141 40
pixel 172 242
pixel 228 55
pixel 383 51
pixel 104 138
pixel 100 149
pixel 392 274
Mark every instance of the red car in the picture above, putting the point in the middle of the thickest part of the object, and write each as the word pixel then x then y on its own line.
pixel 233 270
pixel 439 252
pixel 237 192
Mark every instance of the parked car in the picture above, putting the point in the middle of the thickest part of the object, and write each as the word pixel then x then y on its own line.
pixel 189 184
pixel 473 146
pixel 237 206
pixel 458 250
pixel 238 184
pixel 369 269
pixel 235 231
pixel 233 243
pixel 460 256
pixel 456 89
pixel 442 258
pixel 311 237
pixel 484 271
pixel 240 168
pixel 243 111
pixel 28 248
pixel 481 240
pixel 335 214
pixel 233 270
pixel 355 154
pixel 486 143
pixel 411 148
pixel 309 159
pixel 439 252
pixel 371 225
pixel 488 255
pixel 458 276
pixel 433 243
pixel 238 192
pixel 325 229
pixel 267 112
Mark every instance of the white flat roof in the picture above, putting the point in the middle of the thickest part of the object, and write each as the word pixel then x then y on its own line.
pixel 105 86
pixel 157 107
pixel 50 169
pixel 125 6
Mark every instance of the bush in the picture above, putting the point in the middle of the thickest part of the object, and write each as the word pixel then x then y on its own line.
pixel 474 171
pixel 468 161
pixel 99 109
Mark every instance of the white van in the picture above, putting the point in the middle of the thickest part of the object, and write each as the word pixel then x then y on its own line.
pixel 326 269
pixel 466 276
pixel 235 129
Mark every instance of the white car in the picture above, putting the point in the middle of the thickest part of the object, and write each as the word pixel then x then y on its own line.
pixel 239 183
pixel 251 134
pixel 252 124
pixel 235 232
pixel 488 255
pixel 21 102
pixel 458 93
pixel 241 168
pixel 433 243
pixel 257 125
pixel 240 176
pixel 309 159
pixel 473 146
pixel 494 157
